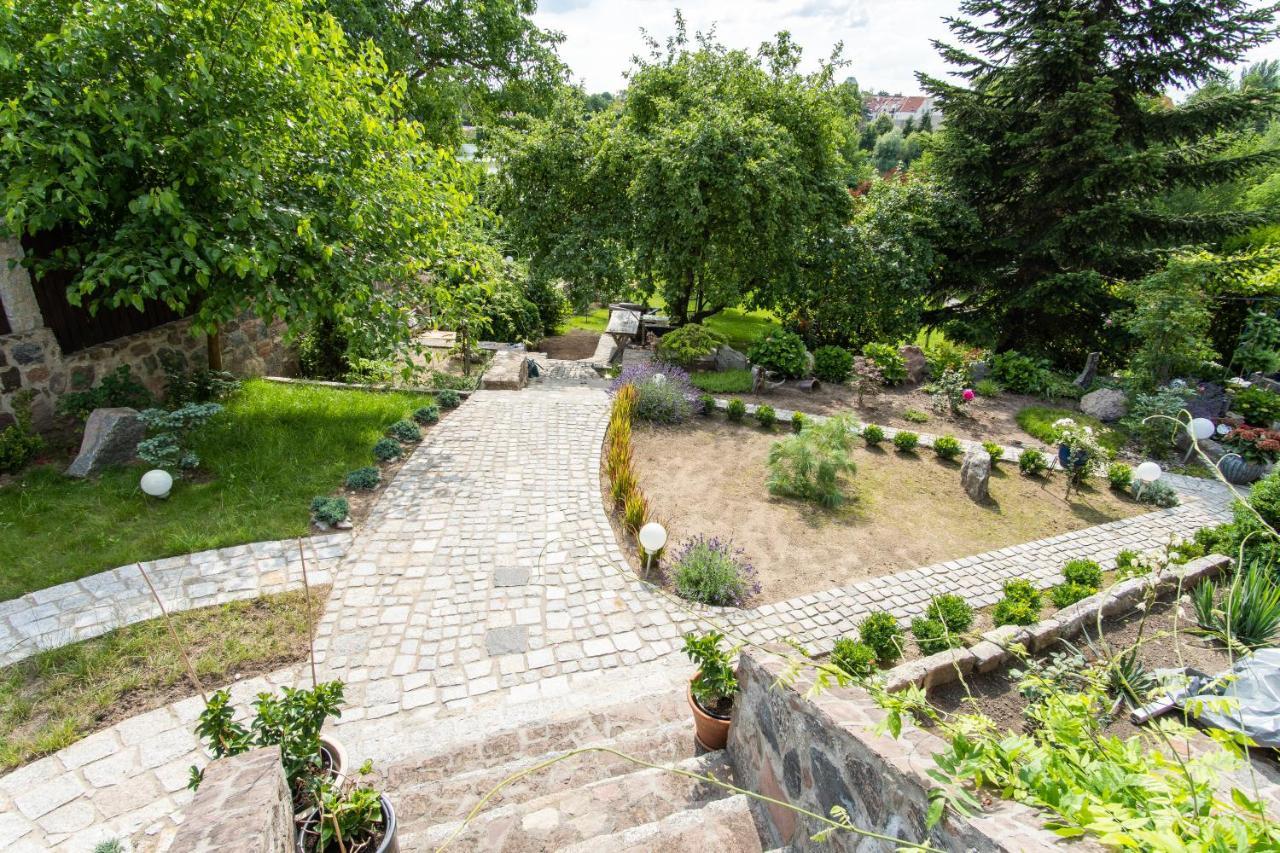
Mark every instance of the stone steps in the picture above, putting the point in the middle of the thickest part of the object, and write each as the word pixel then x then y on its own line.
pixel 720 825
pixel 592 811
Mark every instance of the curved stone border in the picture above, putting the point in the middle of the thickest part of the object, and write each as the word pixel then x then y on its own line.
pixel 94 605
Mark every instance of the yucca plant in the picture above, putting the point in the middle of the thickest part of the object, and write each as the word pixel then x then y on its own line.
pixel 635 512
pixel 1248 612
pixel 809 465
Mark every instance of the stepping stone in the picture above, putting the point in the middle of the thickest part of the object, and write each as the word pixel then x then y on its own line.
pixel 507 641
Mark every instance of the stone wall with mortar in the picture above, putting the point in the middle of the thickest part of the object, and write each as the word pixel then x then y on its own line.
pixel 820 752
pixel 242 804
pixel 30 356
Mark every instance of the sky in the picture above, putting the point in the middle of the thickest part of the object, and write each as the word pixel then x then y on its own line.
pixel 885 41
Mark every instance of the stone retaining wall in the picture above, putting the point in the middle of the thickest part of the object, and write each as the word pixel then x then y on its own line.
pixel 821 752
pixel 242 804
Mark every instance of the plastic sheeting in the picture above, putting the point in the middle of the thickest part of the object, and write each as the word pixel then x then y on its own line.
pixel 1252 687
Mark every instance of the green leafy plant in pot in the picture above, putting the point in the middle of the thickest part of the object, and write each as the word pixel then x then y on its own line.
pixel 712 688
pixel 348 816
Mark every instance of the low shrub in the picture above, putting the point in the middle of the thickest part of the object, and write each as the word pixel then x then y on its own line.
pixel 855 658
pixel 1120 476
pixel 1022 374
pixel 811 464
pixel 1247 612
pixel 387 449
pixel 686 344
pixel 1021 604
pixel 736 410
pixel 988 388
pixel 1032 462
pixel 1154 418
pixel 781 352
pixel 170 431
pixel 710 571
pixel 872 434
pixel 941 355
pixel 766 416
pixel 708 404
pixel 915 416
pixel 448 398
pixel 19 442
pixel 797 421
pixel 1157 494
pixel 952 611
pixel 119 388
pixel 427 415
pixel 1258 406
pixel 951 394
pixel 994 450
pixel 947 447
pixel 906 441
pixel 329 510
pixel 880 631
pixel 1130 564
pixel 832 364
pixel 664 393
pixel 364 479
pixel 1067 594
pixel 723 381
pixel 893 367
pixel 933 637
pixel 405 431
pixel 1083 572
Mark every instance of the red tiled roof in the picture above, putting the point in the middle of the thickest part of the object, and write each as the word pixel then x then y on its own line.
pixel 895 104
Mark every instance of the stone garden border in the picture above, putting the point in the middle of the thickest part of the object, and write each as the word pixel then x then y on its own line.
pixel 995 648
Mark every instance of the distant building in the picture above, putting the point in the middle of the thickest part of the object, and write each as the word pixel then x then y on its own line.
pixel 900 108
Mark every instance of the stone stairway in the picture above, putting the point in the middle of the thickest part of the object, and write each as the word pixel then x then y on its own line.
pixel 554 371
pixel 592 802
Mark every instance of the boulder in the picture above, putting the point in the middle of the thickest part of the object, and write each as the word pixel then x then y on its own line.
pixel 1090 372
pixel 728 358
pixel 917 366
pixel 111 437
pixel 1105 404
pixel 1210 401
pixel 979 371
pixel 975 473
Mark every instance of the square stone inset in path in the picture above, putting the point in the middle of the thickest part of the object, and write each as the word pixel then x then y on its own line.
pixel 507 641
pixel 516 576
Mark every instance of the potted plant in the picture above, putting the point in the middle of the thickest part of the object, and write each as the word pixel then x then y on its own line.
pixel 712 688
pixel 1078 447
pixel 292 721
pixel 348 816
pixel 1253 450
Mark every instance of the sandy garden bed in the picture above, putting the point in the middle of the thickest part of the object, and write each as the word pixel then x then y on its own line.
pixel 909 509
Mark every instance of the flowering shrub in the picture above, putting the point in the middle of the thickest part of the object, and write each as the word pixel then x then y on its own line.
pixel 664 393
pixel 1086 452
pixel 867 376
pixel 950 394
pixel 1254 444
pixel 711 571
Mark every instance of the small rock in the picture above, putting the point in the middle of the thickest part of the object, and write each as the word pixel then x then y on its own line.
pixel 917 367
pixel 1090 372
pixel 975 473
pixel 111 437
pixel 1105 404
pixel 728 358
pixel 979 371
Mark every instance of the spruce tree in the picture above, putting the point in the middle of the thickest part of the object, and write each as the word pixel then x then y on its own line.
pixel 1060 134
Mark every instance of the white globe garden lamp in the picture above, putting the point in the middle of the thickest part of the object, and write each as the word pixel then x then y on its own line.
pixel 1202 428
pixel 652 537
pixel 157 483
pixel 1147 472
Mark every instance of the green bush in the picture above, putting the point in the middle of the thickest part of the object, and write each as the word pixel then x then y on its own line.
pixel 736 410
pixel 329 510
pixel 994 450
pixel 1021 604
pixel 387 449
pixel 364 478
pixel 932 636
pixel 988 388
pixel 427 415
pixel 1151 419
pixel 952 611
pixel 856 659
pixel 710 571
pixel 170 432
pixel 687 344
pixel 663 395
pixel 1119 475
pixel 906 441
pixel 1022 374
pixel 1129 563
pixel 1258 406
pixel 708 403
pixel 947 447
pixel 810 465
pixel 797 421
pixel 766 416
pixel 1247 613
pixel 1157 494
pixel 448 398
pixel 405 431
pixel 880 631
pixel 1020 589
pixel 1083 572
pixel 1067 594
pixel 1032 462
pixel 915 416
pixel 942 355
pixel 1259 346
pixel 723 381
pixel 119 388
pixel 780 351
pixel 832 364
pixel 893 367
pixel 872 434
pixel 19 442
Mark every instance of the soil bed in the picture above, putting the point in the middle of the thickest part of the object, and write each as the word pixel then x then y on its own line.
pixel 906 510
pixel 571 346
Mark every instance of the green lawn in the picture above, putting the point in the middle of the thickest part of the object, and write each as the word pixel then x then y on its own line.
pixel 723 381
pixel 1038 421
pixel 739 326
pixel 593 321
pixel 263 460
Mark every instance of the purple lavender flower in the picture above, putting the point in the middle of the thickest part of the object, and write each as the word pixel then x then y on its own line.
pixel 664 392
pixel 713 571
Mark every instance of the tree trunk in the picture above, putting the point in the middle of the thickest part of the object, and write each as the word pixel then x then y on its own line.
pixel 213 345
pixel 682 310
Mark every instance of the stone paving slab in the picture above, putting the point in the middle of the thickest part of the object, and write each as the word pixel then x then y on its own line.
pixel 98 603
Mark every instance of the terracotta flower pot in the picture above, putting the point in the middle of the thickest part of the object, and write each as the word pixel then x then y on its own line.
pixel 712 732
pixel 390 842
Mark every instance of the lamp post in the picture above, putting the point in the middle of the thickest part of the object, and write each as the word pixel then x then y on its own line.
pixel 652 538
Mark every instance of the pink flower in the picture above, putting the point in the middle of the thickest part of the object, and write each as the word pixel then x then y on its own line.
pixel 968 395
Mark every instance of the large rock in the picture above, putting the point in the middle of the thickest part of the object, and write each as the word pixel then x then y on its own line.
pixel 1105 404
pixel 917 366
pixel 728 358
pixel 111 437
pixel 979 371
pixel 975 473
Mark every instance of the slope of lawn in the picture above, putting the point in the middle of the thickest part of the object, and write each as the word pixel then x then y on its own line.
pixel 262 461
pixel 739 326
pixel 1038 422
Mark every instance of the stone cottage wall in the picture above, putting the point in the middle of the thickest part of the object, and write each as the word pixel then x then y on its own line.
pixel 821 752
pixel 31 358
